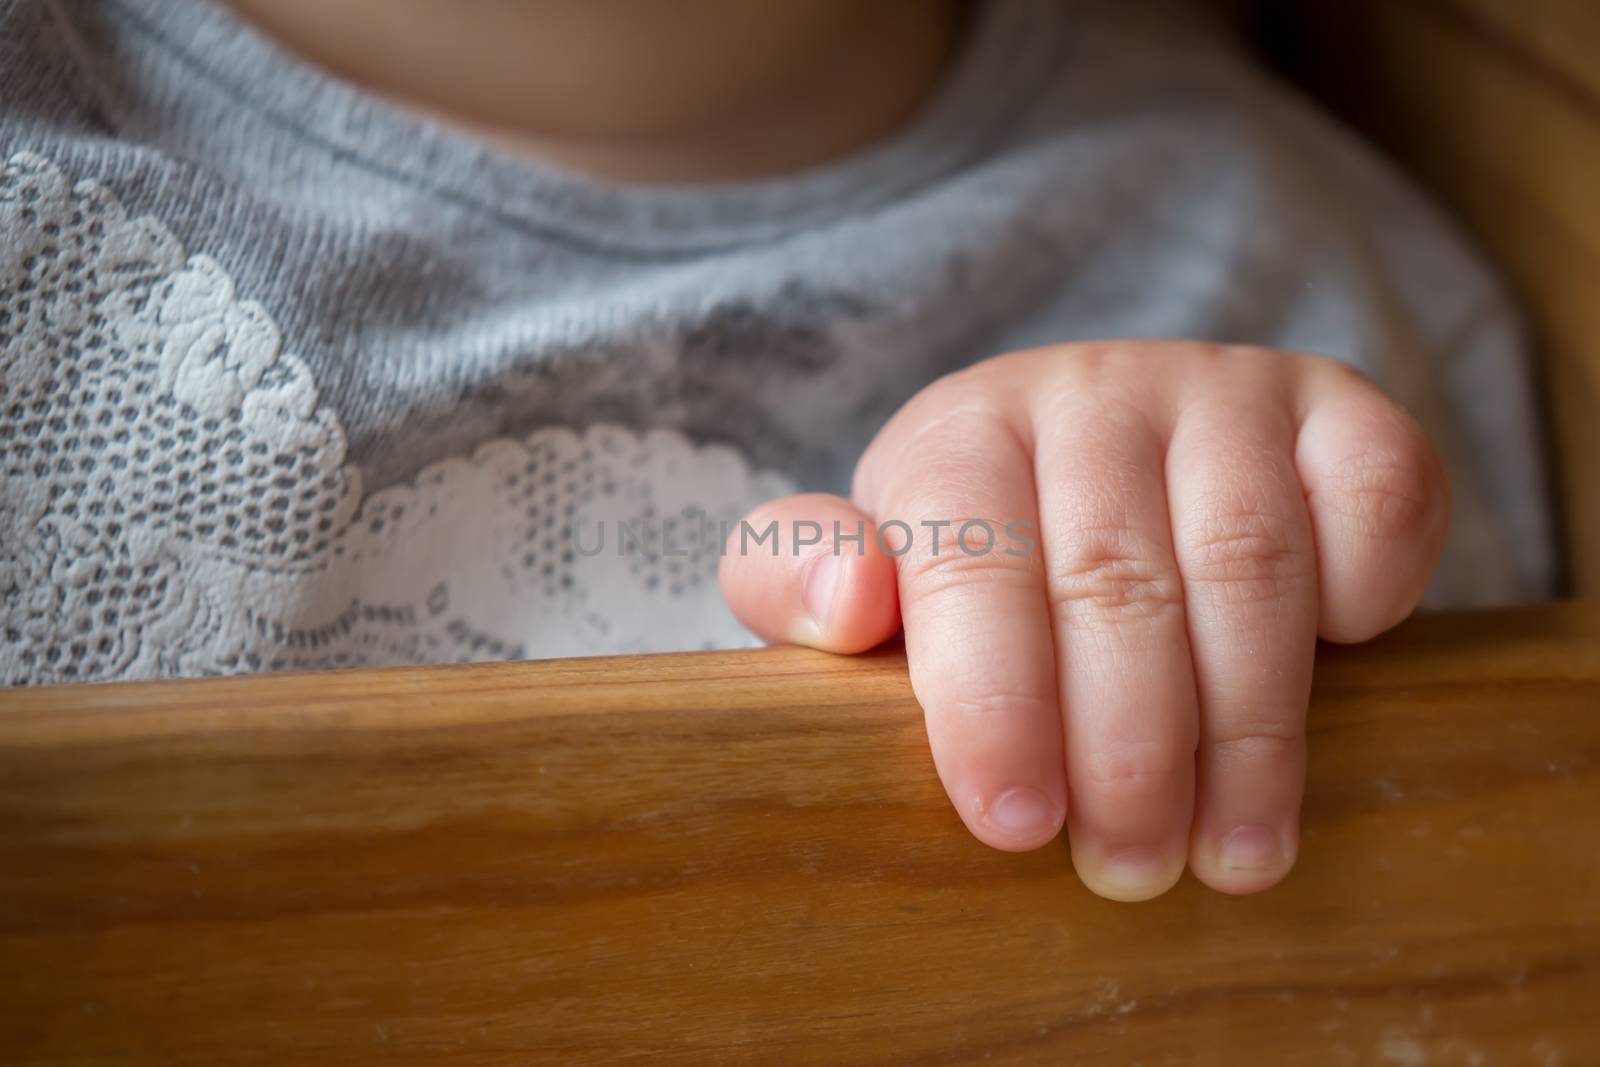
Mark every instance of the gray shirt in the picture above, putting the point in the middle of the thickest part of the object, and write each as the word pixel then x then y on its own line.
pixel 292 378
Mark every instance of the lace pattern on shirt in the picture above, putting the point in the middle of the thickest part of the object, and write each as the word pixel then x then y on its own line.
pixel 175 499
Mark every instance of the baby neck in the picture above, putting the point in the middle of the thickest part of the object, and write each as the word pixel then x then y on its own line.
pixel 640 90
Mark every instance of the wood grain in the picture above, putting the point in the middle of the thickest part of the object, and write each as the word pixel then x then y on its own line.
pixel 1495 106
pixel 746 858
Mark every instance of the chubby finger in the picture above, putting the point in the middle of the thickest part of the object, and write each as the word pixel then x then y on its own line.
pixel 1378 500
pixel 977 630
pixel 808 570
pixel 1127 687
pixel 1245 549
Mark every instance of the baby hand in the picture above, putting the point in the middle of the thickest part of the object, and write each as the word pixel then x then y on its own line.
pixel 1173 525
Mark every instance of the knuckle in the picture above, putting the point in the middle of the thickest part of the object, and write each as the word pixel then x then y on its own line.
pixel 987 704
pixel 1112 577
pixel 970 393
pixel 1251 742
pixel 1136 766
pixel 1388 494
pixel 1317 366
pixel 1251 356
pixel 953 426
pixel 952 568
pixel 1247 553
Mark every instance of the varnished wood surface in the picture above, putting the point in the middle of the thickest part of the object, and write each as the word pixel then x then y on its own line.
pixel 746 858
pixel 1495 106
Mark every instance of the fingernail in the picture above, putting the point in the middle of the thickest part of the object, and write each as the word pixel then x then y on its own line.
pixel 1134 874
pixel 822 587
pixel 1023 810
pixel 1251 848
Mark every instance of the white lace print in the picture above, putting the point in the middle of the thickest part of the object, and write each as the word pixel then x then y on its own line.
pixel 175 501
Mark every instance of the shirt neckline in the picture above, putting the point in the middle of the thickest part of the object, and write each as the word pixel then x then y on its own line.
pixel 1011 47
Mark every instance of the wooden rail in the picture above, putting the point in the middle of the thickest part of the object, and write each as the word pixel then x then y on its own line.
pixel 746 858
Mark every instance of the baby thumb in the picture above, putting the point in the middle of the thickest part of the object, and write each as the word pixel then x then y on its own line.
pixel 809 570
